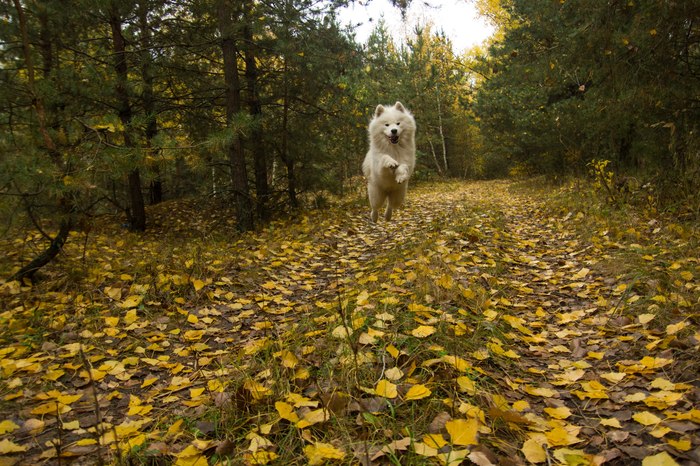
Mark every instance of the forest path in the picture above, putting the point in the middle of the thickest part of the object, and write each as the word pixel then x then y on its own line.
pixel 569 366
pixel 476 316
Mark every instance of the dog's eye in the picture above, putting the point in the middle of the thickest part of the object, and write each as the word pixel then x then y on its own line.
pixel 398 123
pixel 386 124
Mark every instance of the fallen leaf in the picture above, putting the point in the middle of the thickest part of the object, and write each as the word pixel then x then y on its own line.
pixel 386 389
pixel 660 459
pixel 417 392
pixel 423 331
pixel 463 432
pixel 7 446
pixel 646 418
pixel 319 452
pixel 533 451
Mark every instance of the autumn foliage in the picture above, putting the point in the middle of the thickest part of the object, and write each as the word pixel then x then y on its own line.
pixel 490 323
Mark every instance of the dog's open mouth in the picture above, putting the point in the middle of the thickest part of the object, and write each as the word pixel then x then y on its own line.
pixel 394 138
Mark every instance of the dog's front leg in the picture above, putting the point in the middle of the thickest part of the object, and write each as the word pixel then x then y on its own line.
pixel 402 173
pixel 389 162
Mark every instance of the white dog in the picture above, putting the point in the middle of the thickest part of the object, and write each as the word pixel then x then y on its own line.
pixel 391 157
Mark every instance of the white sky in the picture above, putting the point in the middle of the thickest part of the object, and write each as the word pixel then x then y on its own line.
pixel 458 18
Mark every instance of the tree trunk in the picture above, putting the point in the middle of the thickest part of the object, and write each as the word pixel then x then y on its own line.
pixel 442 133
pixel 255 109
pixel 239 174
pixel 148 101
pixel 48 254
pixel 156 191
pixel 65 205
pixel 136 213
pixel 286 157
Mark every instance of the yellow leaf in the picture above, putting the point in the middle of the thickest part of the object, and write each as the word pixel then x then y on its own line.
pixel 521 405
pixel 635 397
pixel 533 451
pixel 286 411
pixel 176 427
pixel 560 437
pixel 435 441
pixel 581 274
pixel 571 457
pixel 683 444
pixel 558 413
pixel 131 301
pixel 571 376
pixel 73 425
pixel 611 422
pixel 660 459
pixel 193 335
pixel 417 392
pixel 655 363
pixel 423 331
pixel 130 317
pixel 645 318
pixel 289 360
pixel 300 401
pixel 362 298
pixel 7 446
pixel 111 321
pixel 386 389
pixel 422 449
pixel 463 431
pixel 193 319
pixel 190 456
pixel 394 373
pixel 466 385
pixel 7 426
pixel 446 282
pixel 198 284
pixel 314 417
pixel 646 418
pixel 540 391
pixel 393 351
pixel 149 381
pixel 341 332
pixel 256 389
pixel 51 408
pixel 675 328
pixel 662 384
pixel 614 377
pixel 319 452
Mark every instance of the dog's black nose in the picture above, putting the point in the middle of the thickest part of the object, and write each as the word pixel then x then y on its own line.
pixel 394 131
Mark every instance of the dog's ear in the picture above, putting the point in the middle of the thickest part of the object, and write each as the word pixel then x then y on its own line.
pixel 379 110
pixel 399 106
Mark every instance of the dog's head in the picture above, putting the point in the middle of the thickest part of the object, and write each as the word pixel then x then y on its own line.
pixel 392 122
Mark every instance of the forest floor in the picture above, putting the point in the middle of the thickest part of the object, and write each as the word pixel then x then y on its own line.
pixel 488 323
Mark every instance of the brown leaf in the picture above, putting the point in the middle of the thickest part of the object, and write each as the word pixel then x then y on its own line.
pixel 438 423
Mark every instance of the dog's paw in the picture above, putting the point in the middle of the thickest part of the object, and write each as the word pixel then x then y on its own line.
pixel 390 163
pixel 402 174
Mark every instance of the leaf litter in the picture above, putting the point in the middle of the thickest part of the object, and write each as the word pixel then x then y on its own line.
pixel 485 325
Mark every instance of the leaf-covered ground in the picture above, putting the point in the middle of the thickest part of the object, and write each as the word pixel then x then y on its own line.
pixel 486 324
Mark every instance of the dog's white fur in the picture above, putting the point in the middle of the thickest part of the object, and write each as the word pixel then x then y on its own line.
pixel 391 158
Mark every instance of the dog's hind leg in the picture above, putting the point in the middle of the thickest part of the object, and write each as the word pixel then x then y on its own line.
pixel 376 199
pixel 396 198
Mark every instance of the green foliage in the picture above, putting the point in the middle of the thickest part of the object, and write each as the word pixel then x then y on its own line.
pixel 574 81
